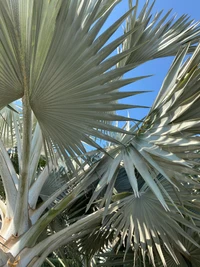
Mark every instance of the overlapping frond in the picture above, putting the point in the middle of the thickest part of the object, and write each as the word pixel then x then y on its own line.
pixel 56 54
pixel 97 241
pixel 169 134
pixel 166 143
pixel 55 51
pixel 11 87
pixel 74 93
pixel 55 180
pixel 193 259
pixel 161 35
pixel 10 125
pixel 142 224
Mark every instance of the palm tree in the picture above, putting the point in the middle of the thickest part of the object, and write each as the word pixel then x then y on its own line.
pixel 77 190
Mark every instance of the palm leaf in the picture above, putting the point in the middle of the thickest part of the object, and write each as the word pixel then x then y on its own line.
pixel 74 99
pixel 11 125
pixel 162 36
pixel 185 260
pixel 143 225
pixel 89 75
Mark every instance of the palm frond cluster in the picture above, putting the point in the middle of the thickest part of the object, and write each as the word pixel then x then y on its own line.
pixel 75 189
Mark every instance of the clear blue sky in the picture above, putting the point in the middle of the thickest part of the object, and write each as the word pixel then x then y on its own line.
pixel 157 67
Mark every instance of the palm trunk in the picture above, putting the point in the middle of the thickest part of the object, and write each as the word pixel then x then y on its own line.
pixel 20 254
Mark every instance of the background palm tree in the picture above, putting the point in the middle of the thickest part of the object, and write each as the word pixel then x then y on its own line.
pixel 67 197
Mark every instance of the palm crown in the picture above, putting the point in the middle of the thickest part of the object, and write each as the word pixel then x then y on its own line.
pixel 137 197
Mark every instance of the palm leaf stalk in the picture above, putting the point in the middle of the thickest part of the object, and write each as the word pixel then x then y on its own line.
pixel 60 80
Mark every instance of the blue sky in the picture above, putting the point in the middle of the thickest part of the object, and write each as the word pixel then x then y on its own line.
pixel 158 67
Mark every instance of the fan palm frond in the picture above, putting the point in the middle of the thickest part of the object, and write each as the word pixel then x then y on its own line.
pixel 139 195
pixel 73 99
pixel 143 225
pixel 164 141
pixel 161 36
pixel 11 125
